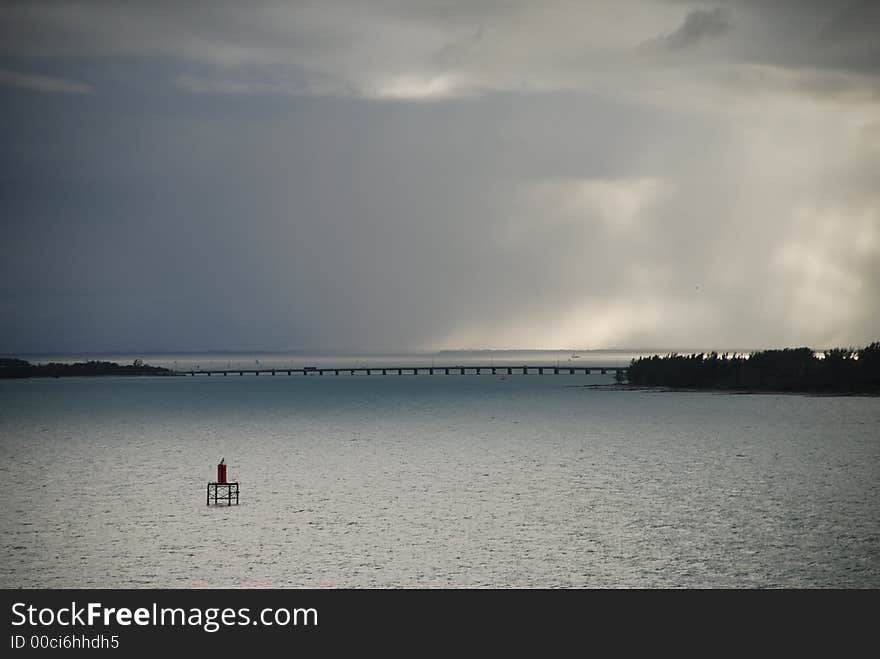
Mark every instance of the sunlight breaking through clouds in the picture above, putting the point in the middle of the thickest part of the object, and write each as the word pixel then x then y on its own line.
pixel 420 88
pixel 617 203
pixel 824 265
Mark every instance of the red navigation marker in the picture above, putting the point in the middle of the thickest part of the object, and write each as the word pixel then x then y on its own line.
pixel 222 491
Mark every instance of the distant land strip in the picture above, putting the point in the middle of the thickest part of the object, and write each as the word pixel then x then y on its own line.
pixel 839 370
pixel 19 368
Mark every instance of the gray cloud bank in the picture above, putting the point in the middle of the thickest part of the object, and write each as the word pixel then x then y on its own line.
pixel 438 175
pixel 43 83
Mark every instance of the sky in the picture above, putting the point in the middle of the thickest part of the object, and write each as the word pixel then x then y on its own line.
pixel 426 175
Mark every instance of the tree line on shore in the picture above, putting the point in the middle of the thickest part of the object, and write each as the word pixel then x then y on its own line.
pixel 19 368
pixel 792 369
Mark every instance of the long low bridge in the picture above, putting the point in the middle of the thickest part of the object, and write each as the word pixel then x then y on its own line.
pixel 408 370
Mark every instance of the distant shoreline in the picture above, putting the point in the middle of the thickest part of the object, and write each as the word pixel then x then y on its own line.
pixel 728 392
pixel 15 369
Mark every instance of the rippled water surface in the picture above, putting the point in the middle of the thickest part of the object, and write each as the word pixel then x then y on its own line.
pixel 434 481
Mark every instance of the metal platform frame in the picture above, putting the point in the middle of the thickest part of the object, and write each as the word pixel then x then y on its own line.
pixel 223 492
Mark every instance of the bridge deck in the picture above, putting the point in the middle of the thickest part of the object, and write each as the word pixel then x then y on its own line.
pixel 411 370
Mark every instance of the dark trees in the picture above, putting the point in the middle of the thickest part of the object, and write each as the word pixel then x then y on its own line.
pixel 791 369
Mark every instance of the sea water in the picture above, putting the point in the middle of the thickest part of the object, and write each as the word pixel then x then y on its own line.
pixel 434 481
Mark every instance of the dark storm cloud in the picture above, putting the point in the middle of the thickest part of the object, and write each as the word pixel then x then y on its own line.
pixel 849 40
pixel 837 34
pixel 700 25
pixel 427 175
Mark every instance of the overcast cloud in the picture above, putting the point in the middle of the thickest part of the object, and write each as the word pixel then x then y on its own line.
pixel 428 175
